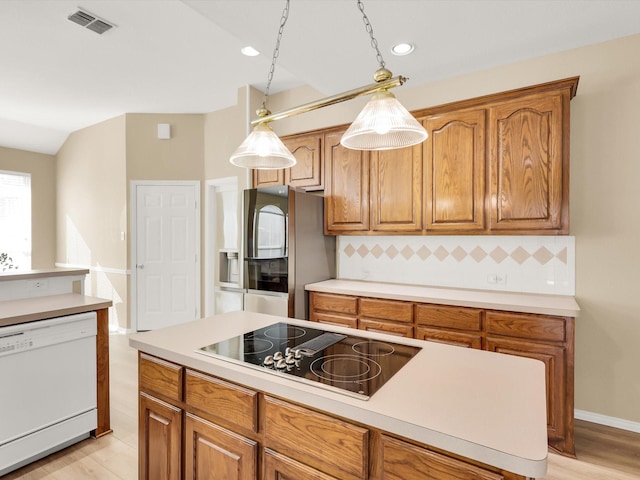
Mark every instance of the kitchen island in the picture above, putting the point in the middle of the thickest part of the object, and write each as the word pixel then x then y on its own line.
pixel 449 411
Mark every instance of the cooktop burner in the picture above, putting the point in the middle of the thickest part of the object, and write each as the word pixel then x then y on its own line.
pixel 348 364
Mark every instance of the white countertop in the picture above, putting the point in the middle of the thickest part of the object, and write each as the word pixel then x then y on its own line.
pixel 13 312
pixel 561 305
pixel 482 405
pixel 43 273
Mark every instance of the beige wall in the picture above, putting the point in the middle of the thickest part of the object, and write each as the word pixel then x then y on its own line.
pixel 43 200
pixel 605 173
pixel 92 210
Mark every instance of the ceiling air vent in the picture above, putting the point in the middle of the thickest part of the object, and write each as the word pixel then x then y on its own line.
pixel 90 22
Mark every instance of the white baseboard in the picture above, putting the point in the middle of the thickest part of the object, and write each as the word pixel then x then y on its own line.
pixel 608 421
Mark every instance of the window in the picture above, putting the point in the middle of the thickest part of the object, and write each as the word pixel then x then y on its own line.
pixel 15 220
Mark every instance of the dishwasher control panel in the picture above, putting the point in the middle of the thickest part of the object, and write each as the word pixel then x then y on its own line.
pixel 27 336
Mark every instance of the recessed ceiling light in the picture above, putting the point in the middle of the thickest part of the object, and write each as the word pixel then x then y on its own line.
pixel 402 49
pixel 249 51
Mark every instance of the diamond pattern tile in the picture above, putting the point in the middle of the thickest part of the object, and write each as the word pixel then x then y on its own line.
pixel 542 255
pixel 377 251
pixel 362 251
pixel 424 252
pixel 349 250
pixel 520 255
pixel 407 252
pixel 441 253
pixel 478 254
pixel 498 254
pixel 391 252
pixel 562 255
pixel 459 253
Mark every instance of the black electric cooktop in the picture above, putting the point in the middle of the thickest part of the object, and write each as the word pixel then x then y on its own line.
pixel 348 364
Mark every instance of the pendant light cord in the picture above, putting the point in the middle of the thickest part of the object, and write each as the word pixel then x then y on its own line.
pixel 369 28
pixel 276 52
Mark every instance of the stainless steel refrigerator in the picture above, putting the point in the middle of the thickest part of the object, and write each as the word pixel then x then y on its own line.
pixel 284 248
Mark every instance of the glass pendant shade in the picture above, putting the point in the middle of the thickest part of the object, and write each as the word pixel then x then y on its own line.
pixel 263 150
pixel 383 124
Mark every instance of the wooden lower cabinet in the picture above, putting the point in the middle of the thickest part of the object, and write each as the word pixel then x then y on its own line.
pixel 179 440
pixel 159 439
pixel 281 467
pixel 215 453
pixel 547 338
pixel 405 461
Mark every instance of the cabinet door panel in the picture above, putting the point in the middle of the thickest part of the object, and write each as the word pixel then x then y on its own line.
pixel 159 439
pixel 279 467
pixel 392 310
pixel 399 329
pixel 347 187
pixel 330 319
pixel 396 190
pixel 267 178
pixel 328 302
pixel 307 172
pixel 460 339
pixel 455 154
pixel 553 358
pixel 463 318
pixel 529 326
pixel 160 376
pixel 527 164
pixel 297 432
pixel 227 402
pixel 214 453
pixel 404 461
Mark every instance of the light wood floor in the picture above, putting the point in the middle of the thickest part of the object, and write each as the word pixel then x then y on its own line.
pixel 604 453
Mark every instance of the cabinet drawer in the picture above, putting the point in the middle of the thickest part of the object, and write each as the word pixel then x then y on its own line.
pixel 160 376
pixel 449 317
pixel 399 329
pixel 342 320
pixel 327 302
pixel 224 401
pixel 328 444
pixel 461 339
pixel 402 460
pixel 386 310
pixel 529 326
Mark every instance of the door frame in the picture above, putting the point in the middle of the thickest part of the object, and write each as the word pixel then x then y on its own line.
pixel 133 203
pixel 211 247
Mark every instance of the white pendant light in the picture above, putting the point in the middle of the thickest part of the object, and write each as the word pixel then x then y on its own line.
pixel 263 150
pixel 383 124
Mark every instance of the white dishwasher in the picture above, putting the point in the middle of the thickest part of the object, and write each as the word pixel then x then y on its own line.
pixel 48 387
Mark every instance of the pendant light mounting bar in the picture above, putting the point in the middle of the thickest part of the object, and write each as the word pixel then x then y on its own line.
pixel 332 100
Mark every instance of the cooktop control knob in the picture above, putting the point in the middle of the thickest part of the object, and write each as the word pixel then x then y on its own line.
pixel 287 351
pixel 277 356
pixel 297 354
pixel 289 359
pixel 281 364
pixel 268 361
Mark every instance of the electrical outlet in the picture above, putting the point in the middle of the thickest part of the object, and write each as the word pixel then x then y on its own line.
pixel 38 284
pixel 497 279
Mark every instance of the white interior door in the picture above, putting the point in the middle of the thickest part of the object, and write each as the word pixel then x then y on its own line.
pixel 166 256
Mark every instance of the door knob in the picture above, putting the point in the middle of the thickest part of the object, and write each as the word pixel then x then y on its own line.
pixel 140 266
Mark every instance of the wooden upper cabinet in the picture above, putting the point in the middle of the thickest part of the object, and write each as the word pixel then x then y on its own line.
pixel 267 178
pixel 307 173
pixel 346 198
pixel 396 190
pixel 455 169
pixel 529 164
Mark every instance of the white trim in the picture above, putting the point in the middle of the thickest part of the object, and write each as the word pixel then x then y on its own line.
pixel 608 421
pixel 133 319
pixel 118 271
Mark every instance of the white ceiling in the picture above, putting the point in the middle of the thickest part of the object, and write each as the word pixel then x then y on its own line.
pixel 173 56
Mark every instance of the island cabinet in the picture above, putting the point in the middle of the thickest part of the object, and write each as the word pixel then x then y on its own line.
pixel 307 173
pixel 497 164
pixel 547 338
pixel 193 425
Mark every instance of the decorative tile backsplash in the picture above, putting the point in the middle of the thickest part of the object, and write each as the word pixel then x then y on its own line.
pixel 531 264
